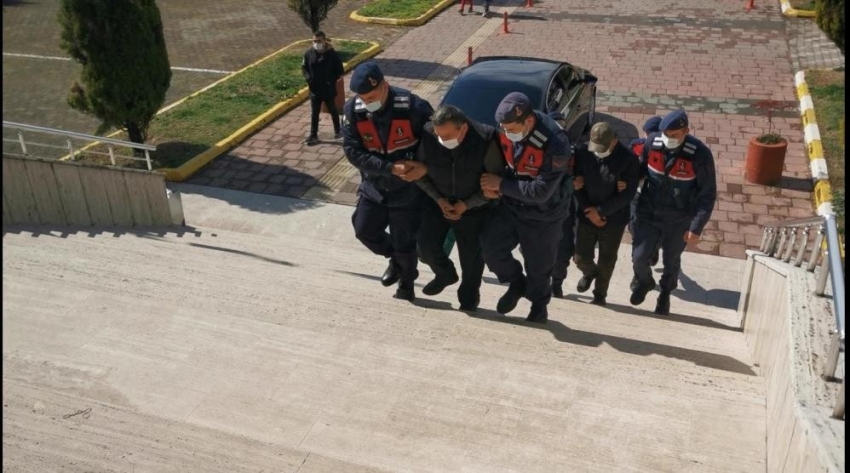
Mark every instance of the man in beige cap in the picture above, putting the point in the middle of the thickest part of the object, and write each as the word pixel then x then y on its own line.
pixel 603 211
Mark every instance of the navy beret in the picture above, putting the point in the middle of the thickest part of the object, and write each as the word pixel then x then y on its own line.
pixel 513 107
pixel 366 78
pixel 651 125
pixel 674 120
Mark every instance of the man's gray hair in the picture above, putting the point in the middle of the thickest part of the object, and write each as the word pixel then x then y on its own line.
pixel 448 114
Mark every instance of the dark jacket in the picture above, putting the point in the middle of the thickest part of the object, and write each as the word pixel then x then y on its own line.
pixel 680 186
pixel 600 183
pixel 547 196
pixel 377 180
pixel 455 174
pixel 321 71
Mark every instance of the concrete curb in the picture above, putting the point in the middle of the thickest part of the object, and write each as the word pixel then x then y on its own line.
pixel 418 21
pixel 191 166
pixel 788 11
pixel 814 148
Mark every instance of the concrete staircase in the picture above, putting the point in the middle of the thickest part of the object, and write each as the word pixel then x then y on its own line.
pixel 261 340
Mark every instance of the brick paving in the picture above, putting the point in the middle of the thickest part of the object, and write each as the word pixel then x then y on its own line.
pixel 810 47
pixel 722 59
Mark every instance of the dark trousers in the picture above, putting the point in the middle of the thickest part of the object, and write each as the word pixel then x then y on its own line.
pixel 566 248
pixel 538 242
pixel 370 221
pixel 467 231
pixel 609 237
pixel 316 107
pixel 647 234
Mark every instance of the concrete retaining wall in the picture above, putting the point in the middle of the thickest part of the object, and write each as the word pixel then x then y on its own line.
pixel 46 192
pixel 786 328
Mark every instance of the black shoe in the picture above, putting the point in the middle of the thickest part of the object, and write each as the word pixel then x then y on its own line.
pixel 654 260
pixel 598 300
pixel 662 307
pixel 405 292
pixel 584 283
pixel 640 292
pixel 437 285
pixel 391 275
pixel 634 284
pixel 539 314
pixel 469 306
pixel 557 289
pixel 311 141
pixel 509 301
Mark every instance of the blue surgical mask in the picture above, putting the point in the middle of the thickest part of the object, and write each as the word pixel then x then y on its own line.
pixel 515 136
pixel 319 47
pixel 373 106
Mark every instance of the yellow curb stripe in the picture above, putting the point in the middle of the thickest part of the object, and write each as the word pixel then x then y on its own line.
pixel 185 170
pixel 788 11
pixel 814 149
pixel 418 21
pixel 822 194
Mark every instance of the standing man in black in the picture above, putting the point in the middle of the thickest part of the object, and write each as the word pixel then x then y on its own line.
pixel 456 151
pixel 322 67
pixel 383 126
pixel 536 191
pixel 603 211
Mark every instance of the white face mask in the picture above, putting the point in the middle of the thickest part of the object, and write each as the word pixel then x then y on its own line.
pixel 603 154
pixel 319 47
pixel 373 106
pixel 515 137
pixel 450 144
pixel 670 143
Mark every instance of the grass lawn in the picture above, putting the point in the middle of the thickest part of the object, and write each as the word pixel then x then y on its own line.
pixel 827 90
pixel 802 4
pixel 200 122
pixel 399 9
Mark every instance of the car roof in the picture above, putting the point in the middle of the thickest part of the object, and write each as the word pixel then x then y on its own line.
pixel 531 72
pixel 480 87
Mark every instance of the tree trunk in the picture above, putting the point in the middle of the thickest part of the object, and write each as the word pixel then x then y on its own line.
pixel 136 136
pixel 314 18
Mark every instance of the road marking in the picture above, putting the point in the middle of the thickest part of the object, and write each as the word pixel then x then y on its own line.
pixel 56 58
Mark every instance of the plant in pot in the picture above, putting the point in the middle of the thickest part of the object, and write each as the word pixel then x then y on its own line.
pixel 766 153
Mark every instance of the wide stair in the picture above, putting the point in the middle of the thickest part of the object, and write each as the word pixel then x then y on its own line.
pixel 266 343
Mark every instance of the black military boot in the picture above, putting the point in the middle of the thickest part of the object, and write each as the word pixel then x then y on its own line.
pixel 439 283
pixel 405 291
pixel 469 304
pixel 557 288
pixel 391 275
pixel 639 293
pixel 509 301
pixel 539 314
pixel 598 299
pixel 662 307
pixel 584 283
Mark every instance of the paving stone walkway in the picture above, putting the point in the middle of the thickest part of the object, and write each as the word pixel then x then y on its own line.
pixel 723 59
pixel 810 47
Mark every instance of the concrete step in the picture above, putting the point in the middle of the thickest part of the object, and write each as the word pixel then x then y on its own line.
pixel 274 336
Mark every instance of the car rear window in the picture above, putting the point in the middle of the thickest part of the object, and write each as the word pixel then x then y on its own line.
pixel 479 98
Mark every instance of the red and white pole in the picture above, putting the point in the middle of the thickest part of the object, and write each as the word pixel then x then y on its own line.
pixel 505 26
pixel 750 5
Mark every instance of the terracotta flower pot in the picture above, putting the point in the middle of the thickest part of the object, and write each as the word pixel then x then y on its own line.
pixel 765 163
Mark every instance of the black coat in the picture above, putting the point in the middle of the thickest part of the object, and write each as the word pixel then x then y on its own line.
pixel 321 71
pixel 600 183
pixel 456 173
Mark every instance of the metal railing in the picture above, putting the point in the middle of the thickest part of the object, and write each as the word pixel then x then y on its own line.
pixel 110 143
pixel 789 241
